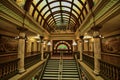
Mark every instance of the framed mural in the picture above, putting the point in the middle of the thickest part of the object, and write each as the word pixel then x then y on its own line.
pixel 111 44
pixel 8 44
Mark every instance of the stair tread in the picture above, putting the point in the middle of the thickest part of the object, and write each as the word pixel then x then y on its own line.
pixel 68 68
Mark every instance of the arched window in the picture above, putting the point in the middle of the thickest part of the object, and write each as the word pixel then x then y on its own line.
pixel 62 46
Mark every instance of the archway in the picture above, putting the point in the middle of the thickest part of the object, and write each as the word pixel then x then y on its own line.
pixel 63 47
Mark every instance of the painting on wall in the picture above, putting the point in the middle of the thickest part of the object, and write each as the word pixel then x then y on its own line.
pixel 111 44
pixel 8 44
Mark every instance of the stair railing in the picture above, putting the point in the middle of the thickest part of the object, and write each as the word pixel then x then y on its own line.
pixel 43 68
pixel 78 67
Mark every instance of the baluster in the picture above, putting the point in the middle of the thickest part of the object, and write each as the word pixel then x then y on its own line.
pixel 14 65
pixel 0 71
pixel 117 72
pixel 7 68
pixel 103 69
pixel 109 72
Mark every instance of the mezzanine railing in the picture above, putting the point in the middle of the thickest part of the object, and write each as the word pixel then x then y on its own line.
pixel 89 60
pixel 8 68
pixel 109 71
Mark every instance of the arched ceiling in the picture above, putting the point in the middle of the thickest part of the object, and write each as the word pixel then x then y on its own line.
pixel 55 15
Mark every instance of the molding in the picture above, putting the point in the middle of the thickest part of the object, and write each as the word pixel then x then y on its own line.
pixel 102 13
pixel 16 15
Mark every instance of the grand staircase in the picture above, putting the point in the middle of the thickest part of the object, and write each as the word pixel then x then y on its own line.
pixel 61 70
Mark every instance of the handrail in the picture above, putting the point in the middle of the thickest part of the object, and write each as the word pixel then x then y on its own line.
pixel 82 73
pixel 8 68
pixel 43 68
pixel 78 67
pixel 89 60
pixel 31 60
pixel 35 70
pixel 109 71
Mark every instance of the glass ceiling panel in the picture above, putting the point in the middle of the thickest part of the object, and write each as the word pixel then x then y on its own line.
pixel 75 14
pixel 64 14
pixel 39 18
pixel 66 9
pixel 51 21
pixel 54 4
pixel 69 14
pixel 50 0
pixel 76 9
pixel 66 4
pixel 36 14
pixel 70 0
pixel 64 18
pixel 48 13
pixel 58 14
pixel 72 20
pixel 83 1
pixel 78 4
pixel 35 1
pixel 56 9
pixel 42 4
pixel 66 21
pixel 45 9
pixel 31 9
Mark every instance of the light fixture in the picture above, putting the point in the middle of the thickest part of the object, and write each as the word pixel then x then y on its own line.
pixel 17 37
pixel 38 41
pixel 74 43
pixel 86 36
pixel 49 43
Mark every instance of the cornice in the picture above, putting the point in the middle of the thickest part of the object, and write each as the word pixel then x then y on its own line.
pixel 15 14
pixel 103 10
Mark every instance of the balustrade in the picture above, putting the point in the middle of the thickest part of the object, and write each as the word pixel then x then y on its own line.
pixel 89 60
pixel 32 59
pixel 8 68
pixel 109 71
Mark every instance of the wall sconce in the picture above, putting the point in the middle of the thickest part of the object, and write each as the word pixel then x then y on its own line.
pixel 49 43
pixel 74 43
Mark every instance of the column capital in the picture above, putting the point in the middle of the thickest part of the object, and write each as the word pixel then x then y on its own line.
pixel 96 32
pixel 96 28
pixel 81 37
pixel 22 29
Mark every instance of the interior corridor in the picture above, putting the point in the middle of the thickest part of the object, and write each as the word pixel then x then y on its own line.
pixel 59 39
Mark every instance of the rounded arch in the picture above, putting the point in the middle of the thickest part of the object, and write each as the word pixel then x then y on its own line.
pixel 62 42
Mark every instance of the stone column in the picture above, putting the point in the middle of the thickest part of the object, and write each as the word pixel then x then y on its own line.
pixel 97 51
pixel 42 47
pixel 38 46
pixel 42 51
pixel 50 47
pixel 29 47
pixel 81 48
pixel 21 49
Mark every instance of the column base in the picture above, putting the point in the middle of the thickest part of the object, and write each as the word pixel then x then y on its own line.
pixel 80 60
pixel 21 70
pixel 96 73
